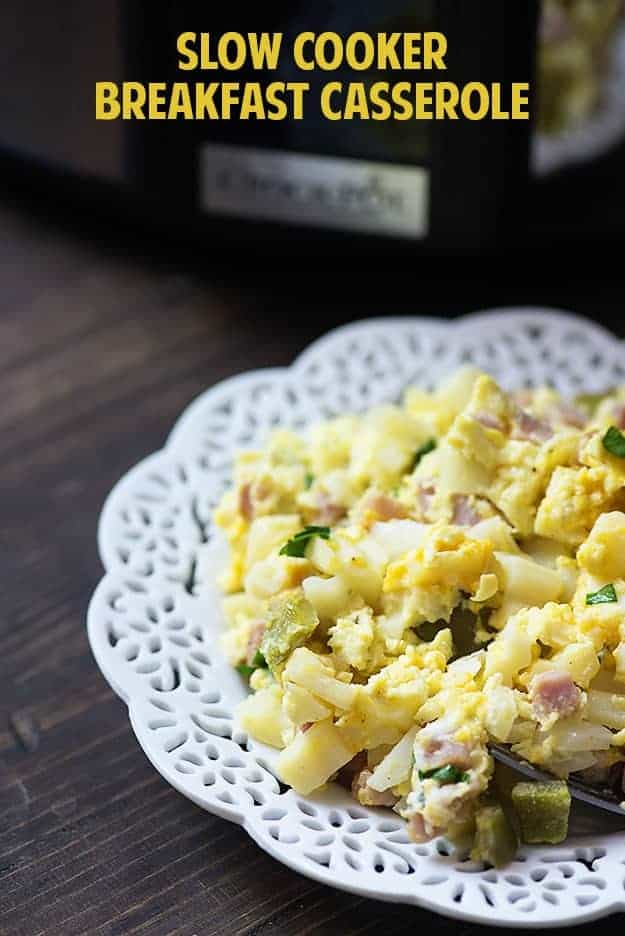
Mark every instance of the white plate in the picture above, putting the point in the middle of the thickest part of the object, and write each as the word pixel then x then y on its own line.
pixel 154 618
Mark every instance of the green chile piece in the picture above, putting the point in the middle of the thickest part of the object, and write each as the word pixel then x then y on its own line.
pixel 543 811
pixel 292 620
pixel 495 841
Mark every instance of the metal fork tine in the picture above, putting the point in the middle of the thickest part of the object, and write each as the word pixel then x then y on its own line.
pixel 603 799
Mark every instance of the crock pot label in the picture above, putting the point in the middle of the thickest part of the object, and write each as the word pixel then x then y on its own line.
pixel 322 191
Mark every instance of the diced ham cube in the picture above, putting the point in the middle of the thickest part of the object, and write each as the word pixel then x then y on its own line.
pixel 448 752
pixel 366 795
pixel 554 692
pixel 489 420
pixel 246 507
pixel 385 507
pixel 463 513
pixel 531 428
pixel 569 415
pixel 328 513
pixel 523 397
pixel 417 830
pixel 425 496
pixel 262 490
pixel 438 749
pixel 254 640
pixel 618 416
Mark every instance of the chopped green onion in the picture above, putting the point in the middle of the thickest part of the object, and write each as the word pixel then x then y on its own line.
pixel 614 442
pixel 605 595
pixel 259 662
pixel 308 480
pixel 245 670
pixel 427 447
pixel 447 774
pixel 296 546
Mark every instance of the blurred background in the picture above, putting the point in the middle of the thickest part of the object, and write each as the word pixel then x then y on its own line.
pixel 489 185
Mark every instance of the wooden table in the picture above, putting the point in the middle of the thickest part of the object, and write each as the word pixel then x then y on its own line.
pixel 101 346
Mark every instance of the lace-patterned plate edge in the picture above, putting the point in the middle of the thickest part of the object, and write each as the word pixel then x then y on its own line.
pixel 327 838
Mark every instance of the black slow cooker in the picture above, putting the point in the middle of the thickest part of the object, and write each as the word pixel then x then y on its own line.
pixel 421 185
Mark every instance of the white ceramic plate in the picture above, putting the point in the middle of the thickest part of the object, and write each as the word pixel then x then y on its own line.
pixel 154 619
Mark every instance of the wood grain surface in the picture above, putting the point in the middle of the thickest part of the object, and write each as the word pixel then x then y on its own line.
pixel 103 340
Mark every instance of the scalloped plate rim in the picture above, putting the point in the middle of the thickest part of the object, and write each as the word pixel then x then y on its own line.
pixel 515 315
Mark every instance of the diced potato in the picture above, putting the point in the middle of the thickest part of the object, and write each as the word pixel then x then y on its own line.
pixel 498 532
pixel 384 447
pixel 321 554
pixel 452 395
pixel 511 652
pixel 307 669
pixel 364 582
pixel 579 661
pixel 302 706
pixel 396 766
pixel 397 537
pixel 460 474
pixel 261 678
pixel 605 708
pixel 374 552
pixel 571 735
pixel 543 811
pixel 508 608
pixel 267 534
pixel 328 596
pixel 528 581
pixel 501 712
pixel 275 574
pixel 565 766
pixel 569 574
pixel 313 756
pixel 374 720
pixel 544 551
pixel 466 666
pixel 262 716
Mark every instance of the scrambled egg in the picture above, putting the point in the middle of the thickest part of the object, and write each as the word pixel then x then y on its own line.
pixel 409 585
